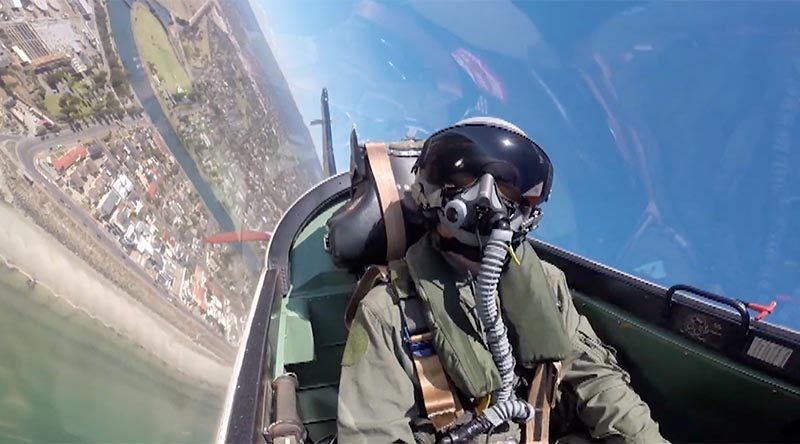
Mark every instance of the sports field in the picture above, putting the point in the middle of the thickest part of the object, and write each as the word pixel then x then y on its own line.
pixel 155 49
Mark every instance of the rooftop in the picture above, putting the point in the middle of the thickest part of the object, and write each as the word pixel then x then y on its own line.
pixel 67 160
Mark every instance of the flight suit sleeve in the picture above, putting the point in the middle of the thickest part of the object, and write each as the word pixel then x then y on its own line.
pixel 376 395
pixel 606 403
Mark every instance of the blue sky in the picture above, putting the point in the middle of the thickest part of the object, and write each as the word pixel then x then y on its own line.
pixel 672 127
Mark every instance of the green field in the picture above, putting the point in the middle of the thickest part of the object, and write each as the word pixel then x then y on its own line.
pixel 51 105
pixel 154 48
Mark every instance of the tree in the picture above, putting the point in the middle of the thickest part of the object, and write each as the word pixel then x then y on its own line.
pixel 110 99
pixel 118 76
pixel 52 79
pixel 97 109
pixel 41 130
pixel 64 100
pixel 100 78
pixel 135 110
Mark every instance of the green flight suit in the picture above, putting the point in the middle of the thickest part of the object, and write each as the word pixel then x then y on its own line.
pixel 379 399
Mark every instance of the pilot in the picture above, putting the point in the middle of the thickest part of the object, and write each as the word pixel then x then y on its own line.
pixel 471 337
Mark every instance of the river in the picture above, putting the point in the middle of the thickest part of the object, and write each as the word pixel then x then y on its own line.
pixel 64 378
pixel 119 14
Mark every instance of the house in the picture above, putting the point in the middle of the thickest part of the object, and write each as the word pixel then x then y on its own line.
pixel 76 181
pixel 62 163
pixel 96 151
pixel 108 203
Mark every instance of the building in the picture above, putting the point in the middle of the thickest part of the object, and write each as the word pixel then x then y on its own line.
pixel 123 186
pixel 215 309
pixel 152 191
pixel 82 171
pixel 111 168
pixel 84 8
pixel 121 220
pixel 94 192
pixel 91 166
pixel 23 56
pixel 16 4
pixel 108 203
pixel 199 296
pixel 76 181
pixel 157 260
pixel 95 151
pixel 177 282
pixel 41 4
pixel 67 160
pixel 78 66
pixel 49 61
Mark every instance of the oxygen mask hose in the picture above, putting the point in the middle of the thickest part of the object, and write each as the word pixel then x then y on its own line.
pixel 507 406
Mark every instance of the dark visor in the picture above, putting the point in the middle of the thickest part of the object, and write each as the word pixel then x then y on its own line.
pixel 478 149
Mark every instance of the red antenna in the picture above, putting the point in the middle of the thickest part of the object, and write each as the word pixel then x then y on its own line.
pixel 763 310
pixel 233 237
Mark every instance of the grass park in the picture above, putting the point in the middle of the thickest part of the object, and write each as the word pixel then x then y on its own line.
pixel 156 52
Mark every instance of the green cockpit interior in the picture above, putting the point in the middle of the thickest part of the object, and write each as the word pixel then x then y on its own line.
pixel 695 394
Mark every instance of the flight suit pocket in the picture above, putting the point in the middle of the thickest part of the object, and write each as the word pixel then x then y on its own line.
pixel 602 353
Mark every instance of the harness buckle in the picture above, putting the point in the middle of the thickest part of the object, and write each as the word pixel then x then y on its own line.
pixel 421 345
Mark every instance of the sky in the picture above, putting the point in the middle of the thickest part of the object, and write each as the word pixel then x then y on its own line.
pixel 673 127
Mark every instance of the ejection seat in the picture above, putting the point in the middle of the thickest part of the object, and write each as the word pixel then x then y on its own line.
pixel 377 224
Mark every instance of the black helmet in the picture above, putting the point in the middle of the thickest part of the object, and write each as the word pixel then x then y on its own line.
pixel 472 148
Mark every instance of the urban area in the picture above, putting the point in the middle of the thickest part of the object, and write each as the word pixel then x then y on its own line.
pixel 210 97
pixel 81 149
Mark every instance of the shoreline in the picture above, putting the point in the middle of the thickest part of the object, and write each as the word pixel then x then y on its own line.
pixel 25 246
pixel 43 298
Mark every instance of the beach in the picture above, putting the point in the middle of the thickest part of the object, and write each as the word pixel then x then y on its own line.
pixel 25 246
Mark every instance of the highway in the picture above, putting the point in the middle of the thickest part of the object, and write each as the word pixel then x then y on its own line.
pixel 28 148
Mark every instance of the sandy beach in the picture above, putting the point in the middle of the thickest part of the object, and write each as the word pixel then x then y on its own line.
pixel 30 249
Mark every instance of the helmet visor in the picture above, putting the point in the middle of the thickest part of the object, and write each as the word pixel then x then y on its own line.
pixel 513 160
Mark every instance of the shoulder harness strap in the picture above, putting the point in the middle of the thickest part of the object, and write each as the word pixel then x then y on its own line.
pixel 442 406
pixel 373 276
pixel 378 155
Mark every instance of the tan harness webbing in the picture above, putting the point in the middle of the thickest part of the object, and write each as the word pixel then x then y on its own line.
pixel 542 391
pixel 378 155
pixel 373 275
pixel 441 405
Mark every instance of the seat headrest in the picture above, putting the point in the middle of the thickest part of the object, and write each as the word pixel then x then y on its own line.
pixel 356 233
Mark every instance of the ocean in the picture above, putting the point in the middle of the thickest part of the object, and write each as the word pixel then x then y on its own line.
pixel 64 377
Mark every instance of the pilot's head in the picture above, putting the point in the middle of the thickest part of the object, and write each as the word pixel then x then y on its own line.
pixel 480 174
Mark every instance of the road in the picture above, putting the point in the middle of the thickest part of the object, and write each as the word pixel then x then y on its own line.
pixel 28 148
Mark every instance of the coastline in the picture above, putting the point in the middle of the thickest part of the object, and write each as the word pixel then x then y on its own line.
pixel 25 246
